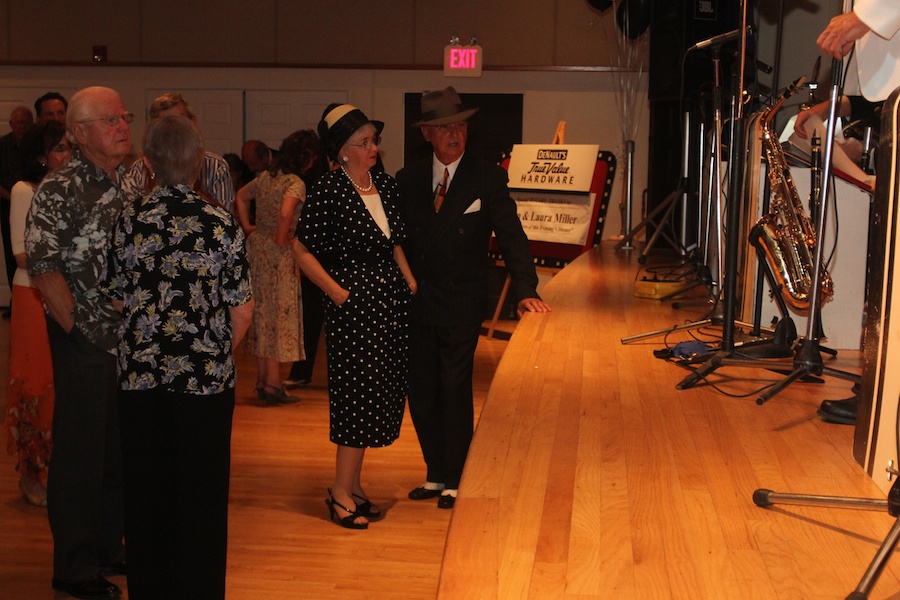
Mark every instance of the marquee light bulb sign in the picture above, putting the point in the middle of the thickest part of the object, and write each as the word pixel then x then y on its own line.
pixel 462 60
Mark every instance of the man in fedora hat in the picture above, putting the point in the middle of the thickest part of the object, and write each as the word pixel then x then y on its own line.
pixel 451 204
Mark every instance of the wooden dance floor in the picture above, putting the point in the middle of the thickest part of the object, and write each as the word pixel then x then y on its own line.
pixel 591 477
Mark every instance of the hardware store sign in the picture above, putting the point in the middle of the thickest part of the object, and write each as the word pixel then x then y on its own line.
pixel 551 185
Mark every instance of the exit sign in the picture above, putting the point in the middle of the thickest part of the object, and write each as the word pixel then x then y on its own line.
pixel 462 61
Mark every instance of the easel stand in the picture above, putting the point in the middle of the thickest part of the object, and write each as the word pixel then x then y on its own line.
pixel 553 254
pixel 765 498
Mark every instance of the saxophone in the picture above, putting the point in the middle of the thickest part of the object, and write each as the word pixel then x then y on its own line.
pixel 786 234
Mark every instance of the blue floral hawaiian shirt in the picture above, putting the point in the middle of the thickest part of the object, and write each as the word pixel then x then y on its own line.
pixel 178 263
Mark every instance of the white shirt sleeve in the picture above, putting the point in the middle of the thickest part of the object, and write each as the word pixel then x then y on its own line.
pixel 882 16
pixel 20 201
pixel 877 54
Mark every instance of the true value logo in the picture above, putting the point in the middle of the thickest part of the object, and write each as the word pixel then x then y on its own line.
pixel 549 167
pixel 562 167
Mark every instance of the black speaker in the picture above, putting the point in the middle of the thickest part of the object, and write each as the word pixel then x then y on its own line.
pixel 675 26
pixel 680 81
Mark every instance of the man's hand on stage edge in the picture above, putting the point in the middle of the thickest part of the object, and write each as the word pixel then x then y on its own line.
pixel 532 305
pixel 837 39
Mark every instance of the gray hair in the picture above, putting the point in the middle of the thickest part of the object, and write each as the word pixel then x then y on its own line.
pixel 167 101
pixel 174 147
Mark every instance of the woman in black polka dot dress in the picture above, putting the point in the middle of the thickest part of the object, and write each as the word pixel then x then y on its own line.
pixel 348 243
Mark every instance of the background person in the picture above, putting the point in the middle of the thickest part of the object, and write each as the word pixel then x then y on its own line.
pixel 451 204
pixel 20 119
pixel 257 155
pixel 277 326
pixel 51 106
pixel 871 26
pixel 214 182
pixel 31 395
pixel 348 244
pixel 240 173
pixel 182 321
pixel 313 305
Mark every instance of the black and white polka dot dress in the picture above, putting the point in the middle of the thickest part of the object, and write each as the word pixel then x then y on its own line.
pixel 367 337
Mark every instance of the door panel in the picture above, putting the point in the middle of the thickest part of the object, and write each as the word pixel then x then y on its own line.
pixel 272 115
pixel 219 116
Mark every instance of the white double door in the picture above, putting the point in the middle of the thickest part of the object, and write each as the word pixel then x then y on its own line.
pixel 229 117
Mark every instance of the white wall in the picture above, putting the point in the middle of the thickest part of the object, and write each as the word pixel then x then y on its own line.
pixel 585 99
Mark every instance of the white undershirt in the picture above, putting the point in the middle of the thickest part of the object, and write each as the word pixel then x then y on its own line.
pixel 437 171
pixel 376 209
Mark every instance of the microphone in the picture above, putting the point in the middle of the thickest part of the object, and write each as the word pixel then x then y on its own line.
pixel 716 40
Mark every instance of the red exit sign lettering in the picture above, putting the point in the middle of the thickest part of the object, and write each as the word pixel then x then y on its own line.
pixel 462 61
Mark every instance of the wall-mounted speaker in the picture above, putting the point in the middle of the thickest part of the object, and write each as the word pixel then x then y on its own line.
pixel 679 81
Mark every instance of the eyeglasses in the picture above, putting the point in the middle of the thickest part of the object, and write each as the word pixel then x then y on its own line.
pixel 112 120
pixel 450 128
pixel 368 143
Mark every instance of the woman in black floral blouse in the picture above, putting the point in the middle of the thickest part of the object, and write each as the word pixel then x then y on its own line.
pixel 178 267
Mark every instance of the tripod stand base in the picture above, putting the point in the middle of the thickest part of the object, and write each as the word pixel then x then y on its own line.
pixel 807 364
pixel 765 498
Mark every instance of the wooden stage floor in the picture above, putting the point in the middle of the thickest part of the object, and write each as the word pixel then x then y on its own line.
pixel 683 463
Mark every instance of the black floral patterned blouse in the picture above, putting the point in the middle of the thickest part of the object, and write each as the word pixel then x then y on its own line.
pixel 178 263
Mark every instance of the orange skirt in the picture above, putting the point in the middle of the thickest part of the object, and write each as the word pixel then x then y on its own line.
pixel 29 413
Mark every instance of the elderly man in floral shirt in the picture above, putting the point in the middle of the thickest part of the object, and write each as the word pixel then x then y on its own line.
pixel 67 239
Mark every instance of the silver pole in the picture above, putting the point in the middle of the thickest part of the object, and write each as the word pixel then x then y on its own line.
pixel 685 176
pixel 629 193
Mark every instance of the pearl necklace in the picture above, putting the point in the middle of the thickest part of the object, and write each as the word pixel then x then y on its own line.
pixel 356 185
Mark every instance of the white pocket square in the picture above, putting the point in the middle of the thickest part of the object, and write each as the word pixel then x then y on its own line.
pixel 474 207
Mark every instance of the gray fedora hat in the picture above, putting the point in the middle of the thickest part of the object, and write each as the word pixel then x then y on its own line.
pixel 443 107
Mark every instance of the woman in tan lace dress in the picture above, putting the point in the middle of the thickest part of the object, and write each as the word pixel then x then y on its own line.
pixel 277 330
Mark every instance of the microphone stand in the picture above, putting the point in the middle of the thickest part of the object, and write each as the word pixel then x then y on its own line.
pixel 716 203
pixel 808 358
pixel 732 220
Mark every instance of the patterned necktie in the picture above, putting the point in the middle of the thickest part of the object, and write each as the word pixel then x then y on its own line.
pixel 440 191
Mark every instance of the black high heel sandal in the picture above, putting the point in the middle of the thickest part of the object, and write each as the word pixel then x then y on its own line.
pixel 350 520
pixel 260 389
pixel 366 508
pixel 279 396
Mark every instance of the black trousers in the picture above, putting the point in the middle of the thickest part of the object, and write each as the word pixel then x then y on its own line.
pixel 313 320
pixel 84 480
pixel 440 397
pixel 176 451
pixel 7 241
